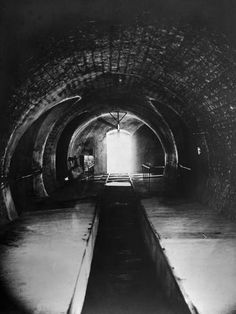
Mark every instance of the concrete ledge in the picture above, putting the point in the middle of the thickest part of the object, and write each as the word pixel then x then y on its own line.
pixel 200 246
pixel 46 257
pixel 173 289
pixel 78 297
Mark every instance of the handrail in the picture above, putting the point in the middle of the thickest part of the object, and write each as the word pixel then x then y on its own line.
pixel 30 175
pixel 150 168
pixel 162 167
pixel 146 166
pixel 5 180
pixel 186 168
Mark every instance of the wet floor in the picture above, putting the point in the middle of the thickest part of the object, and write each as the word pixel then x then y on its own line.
pixel 40 257
pixel 200 245
pixel 122 278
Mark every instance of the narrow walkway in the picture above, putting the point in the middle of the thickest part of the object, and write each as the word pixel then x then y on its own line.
pixel 200 245
pixel 41 256
pixel 122 278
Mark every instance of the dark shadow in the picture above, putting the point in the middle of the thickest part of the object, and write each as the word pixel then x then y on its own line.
pixel 122 276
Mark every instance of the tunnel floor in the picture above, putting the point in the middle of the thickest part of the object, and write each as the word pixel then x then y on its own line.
pixel 122 278
pixel 40 255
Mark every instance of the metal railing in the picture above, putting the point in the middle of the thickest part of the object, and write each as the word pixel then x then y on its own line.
pixel 150 169
pixel 4 181
pixel 30 175
pixel 185 168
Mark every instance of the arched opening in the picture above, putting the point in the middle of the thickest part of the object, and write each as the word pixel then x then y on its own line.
pixel 119 151
pixel 150 143
pixel 175 73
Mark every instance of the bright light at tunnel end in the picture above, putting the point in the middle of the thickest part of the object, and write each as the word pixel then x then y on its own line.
pixel 119 151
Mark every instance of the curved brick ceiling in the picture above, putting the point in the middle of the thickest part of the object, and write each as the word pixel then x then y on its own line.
pixel 189 70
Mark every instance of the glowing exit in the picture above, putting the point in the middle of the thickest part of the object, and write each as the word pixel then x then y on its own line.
pixel 119 151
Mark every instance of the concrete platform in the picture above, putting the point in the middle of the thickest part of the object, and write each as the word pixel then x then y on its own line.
pixel 46 258
pixel 200 247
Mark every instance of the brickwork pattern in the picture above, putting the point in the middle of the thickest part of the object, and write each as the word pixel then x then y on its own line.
pixel 193 71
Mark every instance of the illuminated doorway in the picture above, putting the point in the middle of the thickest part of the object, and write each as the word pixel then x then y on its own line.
pixel 119 151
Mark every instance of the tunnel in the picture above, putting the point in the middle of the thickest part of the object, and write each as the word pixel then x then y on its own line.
pixel 117 128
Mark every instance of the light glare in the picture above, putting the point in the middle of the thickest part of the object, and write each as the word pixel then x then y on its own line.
pixel 119 152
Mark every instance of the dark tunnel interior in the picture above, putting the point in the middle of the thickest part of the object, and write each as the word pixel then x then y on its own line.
pixel 154 79
pixel 39 165
pixel 175 81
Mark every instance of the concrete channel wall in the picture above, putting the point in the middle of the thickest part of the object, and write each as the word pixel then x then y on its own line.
pixel 174 292
pixel 78 297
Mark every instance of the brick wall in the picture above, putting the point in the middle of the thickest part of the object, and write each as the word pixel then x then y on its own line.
pixel 191 70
